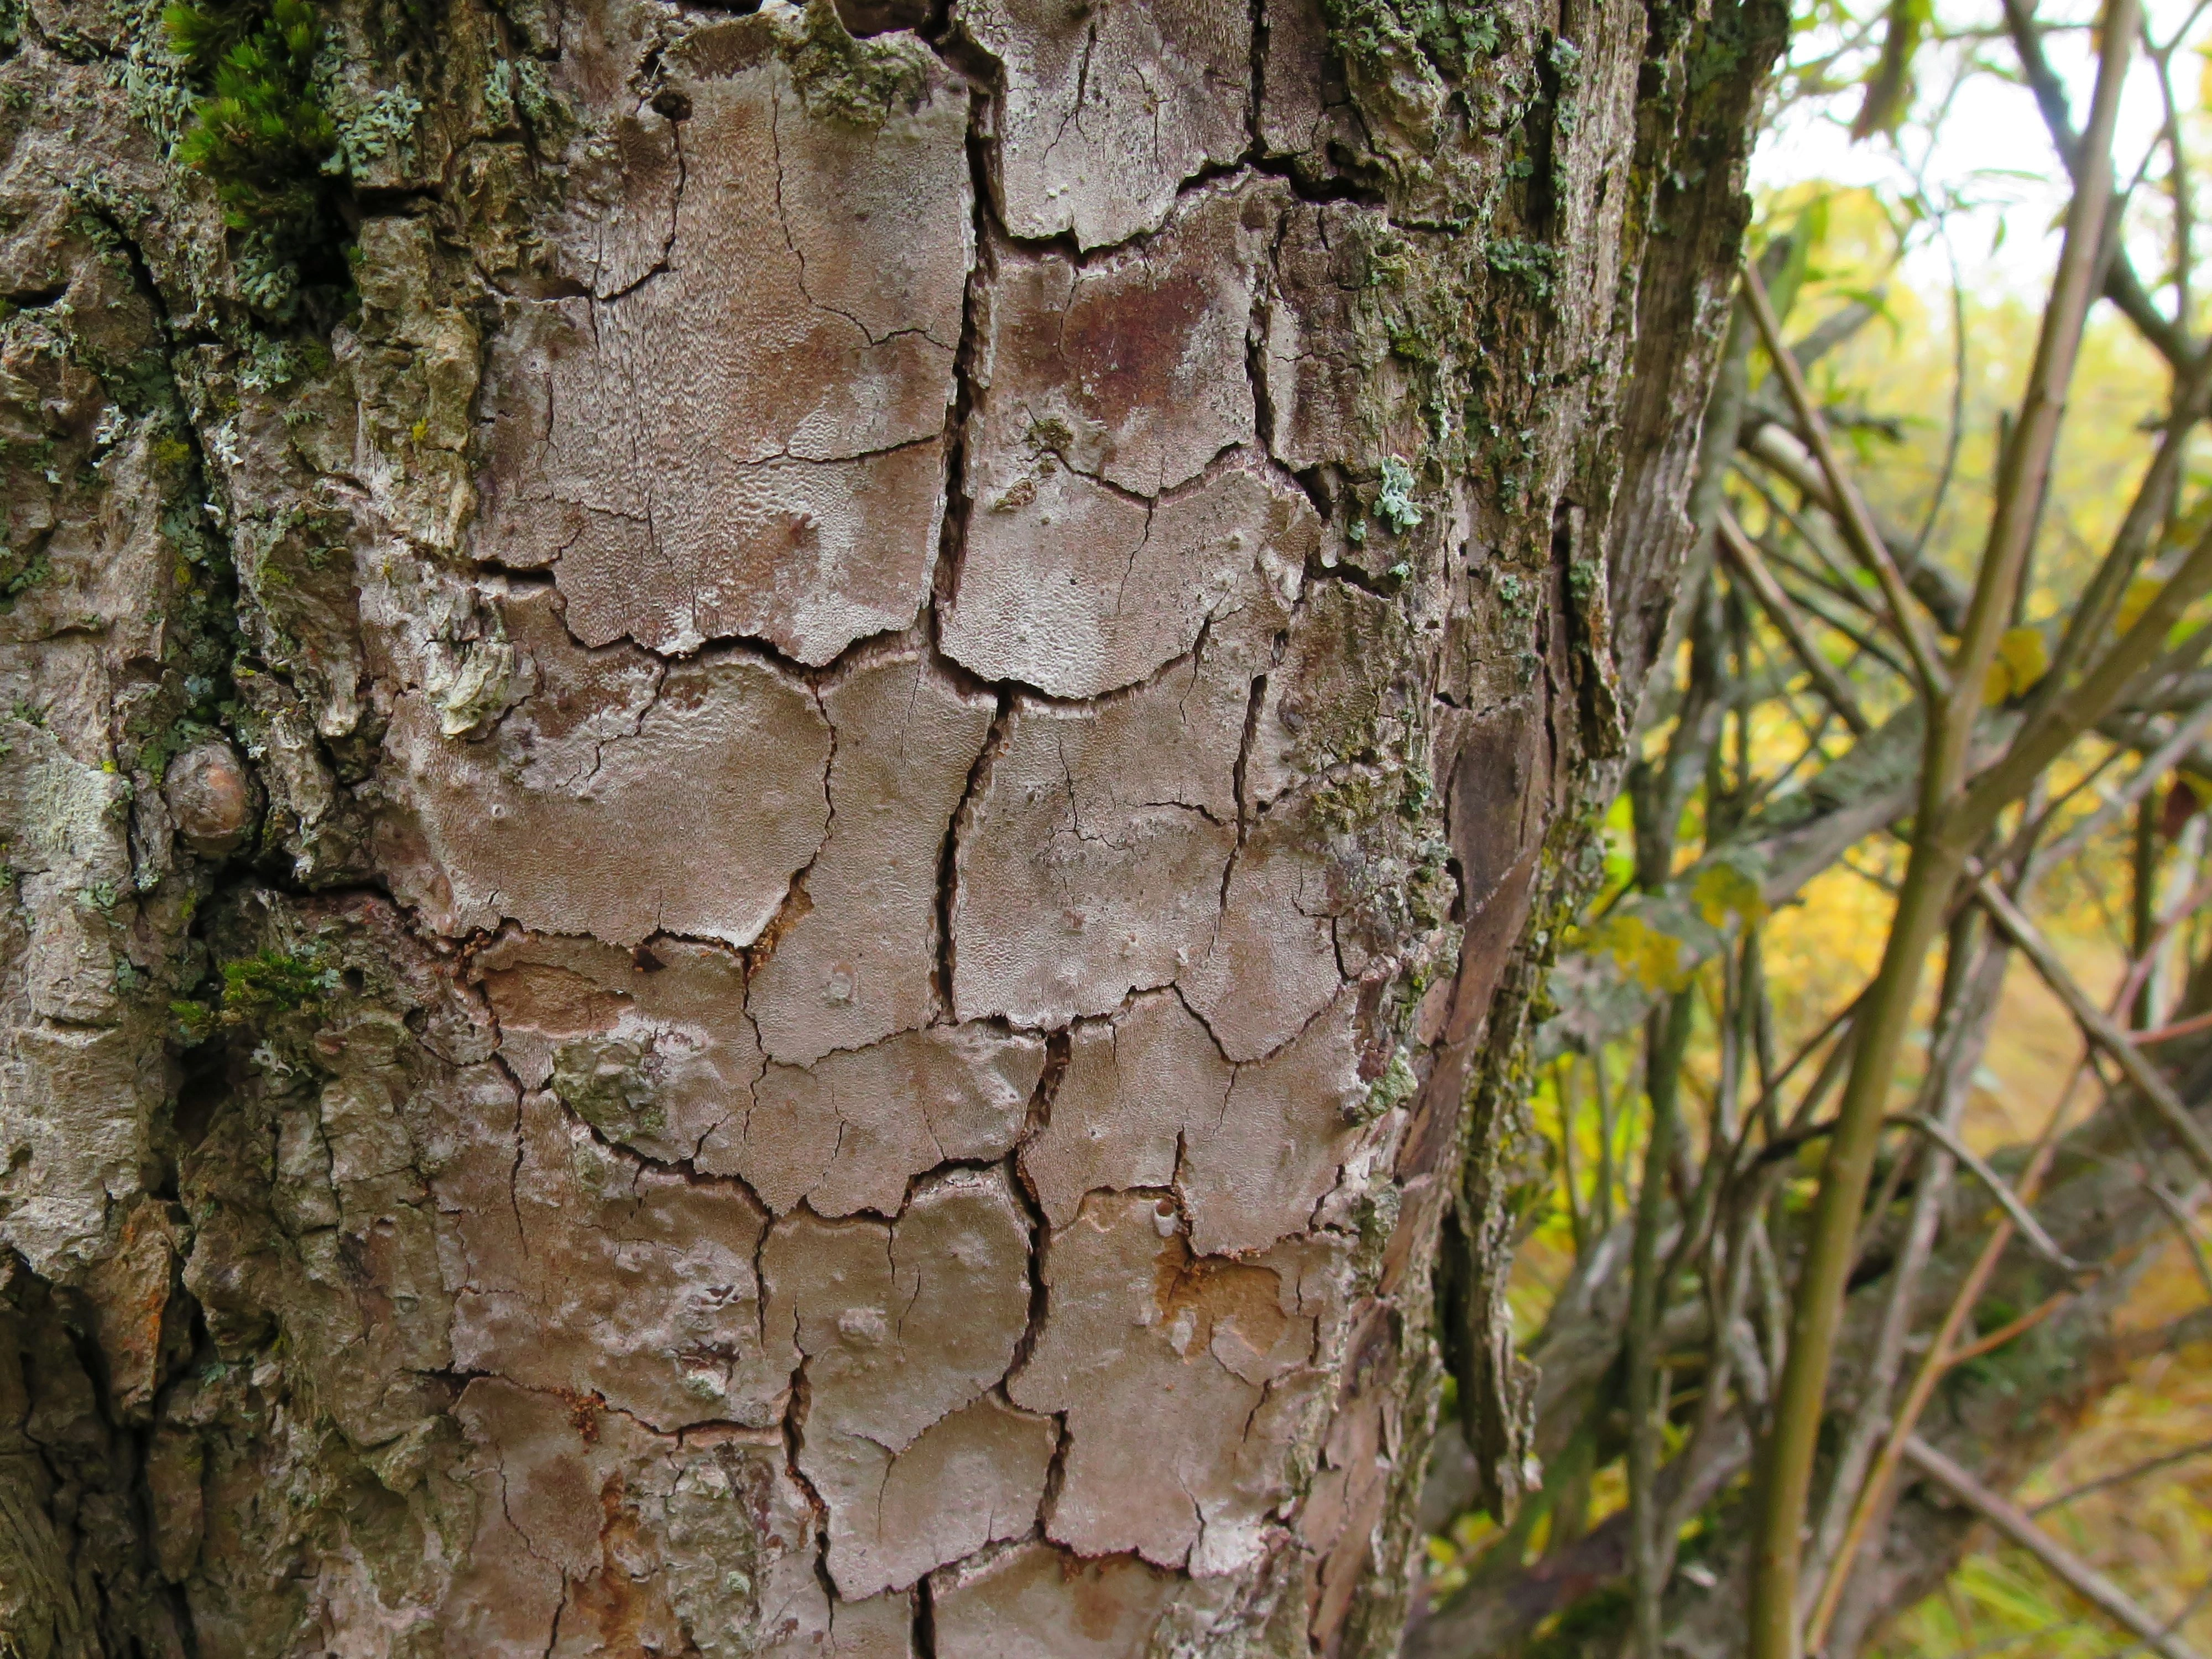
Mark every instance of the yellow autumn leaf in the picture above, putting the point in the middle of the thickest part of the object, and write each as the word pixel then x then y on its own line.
pixel 2136 600
pixel 1643 953
pixel 2023 652
pixel 2022 658
pixel 1723 892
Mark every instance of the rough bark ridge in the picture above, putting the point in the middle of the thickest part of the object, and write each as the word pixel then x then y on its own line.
pixel 738 869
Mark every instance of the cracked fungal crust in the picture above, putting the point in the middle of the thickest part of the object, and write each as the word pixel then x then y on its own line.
pixel 1148 1101
pixel 904 1328
pixel 1105 394
pixel 539 822
pixel 950 1074
pixel 585 1272
pixel 1109 109
pixel 850 1132
pixel 857 961
pixel 596 1534
pixel 735 426
pixel 1180 1379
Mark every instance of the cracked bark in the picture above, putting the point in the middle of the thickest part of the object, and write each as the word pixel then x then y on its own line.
pixel 874 866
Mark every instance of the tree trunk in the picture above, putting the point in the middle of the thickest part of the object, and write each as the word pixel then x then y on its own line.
pixel 769 795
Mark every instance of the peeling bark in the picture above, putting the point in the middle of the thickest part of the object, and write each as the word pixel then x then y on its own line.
pixel 777 902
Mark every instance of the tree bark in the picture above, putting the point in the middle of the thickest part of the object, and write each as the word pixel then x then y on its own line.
pixel 773 779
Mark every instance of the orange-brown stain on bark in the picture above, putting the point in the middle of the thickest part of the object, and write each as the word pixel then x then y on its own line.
pixel 1212 1292
pixel 620 1602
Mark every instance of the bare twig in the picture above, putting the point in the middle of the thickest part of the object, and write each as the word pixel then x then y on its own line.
pixel 1651 1553
pixel 1744 557
pixel 1873 1495
pixel 2154 942
pixel 2121 285
pixel 2008 1201
pixel 2180 1212
pixel 2070 1569
pixel 1968 1005
pixel 1866 542
pixel 1991 1341
pixel 2180 1028
pixel 2098 1026
pixel 2123 1477
pixel 2156 766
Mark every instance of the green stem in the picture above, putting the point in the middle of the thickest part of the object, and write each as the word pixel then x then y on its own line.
pixel 2142 921
pixel 1668 1040
pixel 1784 1483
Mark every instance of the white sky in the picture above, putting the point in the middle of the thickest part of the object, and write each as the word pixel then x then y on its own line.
pixel 1991 155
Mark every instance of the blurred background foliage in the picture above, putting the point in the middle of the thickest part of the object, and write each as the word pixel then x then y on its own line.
pixel 1908 197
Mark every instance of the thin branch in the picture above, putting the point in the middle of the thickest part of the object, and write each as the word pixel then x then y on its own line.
pixel 1651 1549
pixel 2185 1225
pixel 2123 1477
pixel 2096 1024
pixel 2121 285
pixel 1743 557
pixel 2180 1028
pixel 2070 1569
pixel 1991 1341
pixel 2092 612
pixel 2052 729
pixel 1955 439
pixel 2161 761
pixel 2148 951
pixel 1858 528
pixel 1873 1496
pixel 1966 1006
pixel 2008 1201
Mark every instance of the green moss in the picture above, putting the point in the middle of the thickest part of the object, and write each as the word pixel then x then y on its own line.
pixel 20 574
pixel 194 1022
pixel 1452 37
pixel 271 982
pixel 262 136
pixel 861 82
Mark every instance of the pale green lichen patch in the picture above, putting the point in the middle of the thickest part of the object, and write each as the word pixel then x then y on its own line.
pixel 866 82
pixel 602 1081
pixel 1394 502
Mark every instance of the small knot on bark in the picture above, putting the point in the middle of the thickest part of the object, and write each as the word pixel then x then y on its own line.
pixel 211 797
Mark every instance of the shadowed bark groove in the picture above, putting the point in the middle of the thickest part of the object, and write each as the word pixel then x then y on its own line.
pixel 752 909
